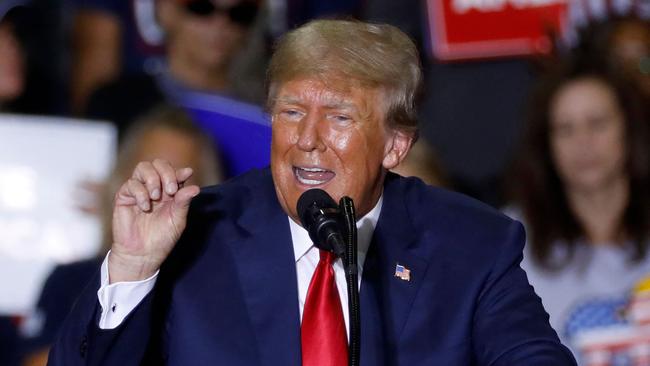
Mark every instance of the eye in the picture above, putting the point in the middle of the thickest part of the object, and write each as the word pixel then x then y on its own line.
pixel 291 114
pixel 599 123
pixel 340 119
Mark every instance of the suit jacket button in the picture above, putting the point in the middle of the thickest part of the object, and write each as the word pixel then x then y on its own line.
pixel 83 347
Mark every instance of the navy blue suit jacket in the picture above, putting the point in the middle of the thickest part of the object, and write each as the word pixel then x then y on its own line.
pixel 228 294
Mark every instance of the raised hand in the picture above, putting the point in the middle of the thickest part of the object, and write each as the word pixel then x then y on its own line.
pixel 149 215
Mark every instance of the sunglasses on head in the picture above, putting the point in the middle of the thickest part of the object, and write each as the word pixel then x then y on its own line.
pixel 242 13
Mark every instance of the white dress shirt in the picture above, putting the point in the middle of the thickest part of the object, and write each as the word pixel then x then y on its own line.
pixel 118 299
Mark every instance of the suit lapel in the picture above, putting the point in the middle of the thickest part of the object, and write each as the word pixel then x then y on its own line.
pixel 267 272
pixel 386 299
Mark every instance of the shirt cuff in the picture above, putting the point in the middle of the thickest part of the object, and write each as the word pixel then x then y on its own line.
pixel 117 300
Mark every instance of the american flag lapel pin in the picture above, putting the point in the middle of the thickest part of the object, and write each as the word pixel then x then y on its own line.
pixel 402 272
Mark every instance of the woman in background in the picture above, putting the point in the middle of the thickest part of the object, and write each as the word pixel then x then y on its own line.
pixel 582 189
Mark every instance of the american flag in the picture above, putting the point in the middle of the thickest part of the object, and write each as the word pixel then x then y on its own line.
pixel 402 272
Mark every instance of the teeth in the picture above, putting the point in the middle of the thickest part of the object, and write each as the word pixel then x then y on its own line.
pixel 309 181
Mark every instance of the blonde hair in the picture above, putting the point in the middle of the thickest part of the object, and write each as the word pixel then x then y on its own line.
pixel 374 55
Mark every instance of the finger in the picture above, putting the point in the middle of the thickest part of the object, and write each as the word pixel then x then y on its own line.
pixel 183 174
pixel 184 196
pixel 167 175
pixel 138 191
pixel 146 173
pixel 123 197
pixel 182 201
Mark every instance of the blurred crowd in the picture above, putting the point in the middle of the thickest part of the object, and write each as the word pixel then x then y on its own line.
pixel 559 141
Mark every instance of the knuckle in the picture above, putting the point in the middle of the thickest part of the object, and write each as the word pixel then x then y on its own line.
pixel 141 165
pixel 135 186
pixel 151 180
pixel 160 162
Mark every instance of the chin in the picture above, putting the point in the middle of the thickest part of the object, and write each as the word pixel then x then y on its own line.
pixel 587 184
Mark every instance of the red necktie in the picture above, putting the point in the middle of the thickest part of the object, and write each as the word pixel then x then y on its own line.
pixel 324 338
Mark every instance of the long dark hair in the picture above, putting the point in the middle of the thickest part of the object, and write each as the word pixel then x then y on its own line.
pixel 537 188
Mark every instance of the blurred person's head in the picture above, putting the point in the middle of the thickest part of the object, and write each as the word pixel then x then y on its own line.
pixel 12 63
pixel 624 43
pixel 586 132
pixel 423 162
pixel 629 49
pixel 587 137
pixel 203 36
pixel 167 133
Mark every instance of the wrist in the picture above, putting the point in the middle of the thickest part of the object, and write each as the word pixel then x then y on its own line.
pixel 127 267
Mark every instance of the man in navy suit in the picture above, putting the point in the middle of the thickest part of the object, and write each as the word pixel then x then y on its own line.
pixel 225 280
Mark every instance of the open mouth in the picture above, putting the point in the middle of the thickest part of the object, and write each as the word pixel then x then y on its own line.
pixel 313 176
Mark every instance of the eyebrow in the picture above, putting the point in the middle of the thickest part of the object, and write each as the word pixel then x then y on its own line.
pixel 342 104
pixel 287 100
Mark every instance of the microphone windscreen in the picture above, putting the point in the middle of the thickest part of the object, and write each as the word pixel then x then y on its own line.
pixel 314 196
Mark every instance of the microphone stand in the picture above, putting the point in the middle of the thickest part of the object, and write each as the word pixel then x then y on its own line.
pixel 351 266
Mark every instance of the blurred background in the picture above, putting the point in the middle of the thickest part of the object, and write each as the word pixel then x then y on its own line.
pixel 537 108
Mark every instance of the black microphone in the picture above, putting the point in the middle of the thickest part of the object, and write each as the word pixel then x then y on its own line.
pixel 321 217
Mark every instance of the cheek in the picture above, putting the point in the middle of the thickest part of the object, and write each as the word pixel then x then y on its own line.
pixel 223 32
pixel 560 152
pixel 354 153
pixel 615 148
pixel 235 35
pixel 616 140
pixel 188 39
pixel 283 136
pixel 341 141
pixel 11 58
pixel 358 143
pixel 283 140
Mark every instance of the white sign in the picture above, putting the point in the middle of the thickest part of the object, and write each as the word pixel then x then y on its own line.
pixel 43 160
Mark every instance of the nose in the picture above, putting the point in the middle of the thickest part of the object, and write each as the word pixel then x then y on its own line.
pixel 586 136
pixel 218 18
pixel 309 138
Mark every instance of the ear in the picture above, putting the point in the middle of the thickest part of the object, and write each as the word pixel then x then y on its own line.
pixel 397 147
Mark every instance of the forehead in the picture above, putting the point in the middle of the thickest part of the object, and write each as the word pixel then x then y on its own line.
pixel 333 93
pixel 583 98
pixel 166 142
pixel 579 92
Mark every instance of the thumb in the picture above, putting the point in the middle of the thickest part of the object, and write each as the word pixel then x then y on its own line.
pixel 182 200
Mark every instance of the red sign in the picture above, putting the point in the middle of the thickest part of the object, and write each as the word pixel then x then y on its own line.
pixel 468 29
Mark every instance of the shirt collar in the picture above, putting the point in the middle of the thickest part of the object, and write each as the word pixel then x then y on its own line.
pixel 365 228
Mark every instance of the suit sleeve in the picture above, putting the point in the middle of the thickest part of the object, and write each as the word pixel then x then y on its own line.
pixel 511 326
pixel 82 342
